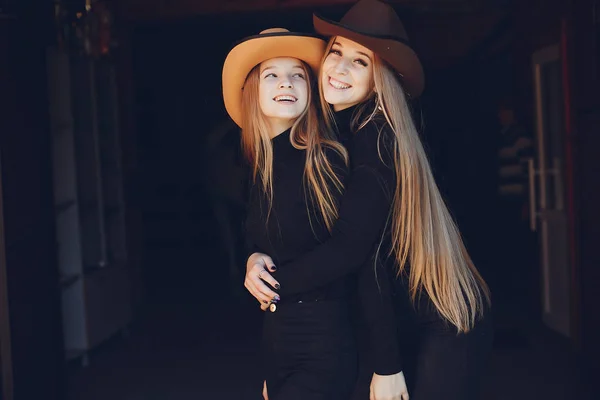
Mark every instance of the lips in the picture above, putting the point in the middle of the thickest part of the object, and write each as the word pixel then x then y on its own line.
pixel 285 98
pixel 338 84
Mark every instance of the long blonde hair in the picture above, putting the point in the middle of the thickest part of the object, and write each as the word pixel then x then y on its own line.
pixel 423 233
pixel 307 133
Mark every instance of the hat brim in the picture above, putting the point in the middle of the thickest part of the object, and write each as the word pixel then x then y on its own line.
pixel 393 50
pixel 256 49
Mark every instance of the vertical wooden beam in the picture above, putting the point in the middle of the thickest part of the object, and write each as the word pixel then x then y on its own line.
pixel 6 377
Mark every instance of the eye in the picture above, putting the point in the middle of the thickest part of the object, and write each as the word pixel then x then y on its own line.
pixel 272 74
pixel 335 51
pixel 361 62
pixel 298 75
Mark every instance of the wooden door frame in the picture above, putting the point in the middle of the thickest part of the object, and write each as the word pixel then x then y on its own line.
pixel 6 373
pixel 570 178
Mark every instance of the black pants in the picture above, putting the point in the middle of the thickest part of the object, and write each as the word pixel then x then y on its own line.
pixel 438 364
pixel 310 351
pixel 450 366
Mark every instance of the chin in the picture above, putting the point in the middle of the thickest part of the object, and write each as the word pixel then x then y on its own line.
pixel 335 100
pixel 287 115
pixel 331 98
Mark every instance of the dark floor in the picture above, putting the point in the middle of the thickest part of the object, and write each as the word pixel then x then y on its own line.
pixel 195 349
pixel 176 351
pixel 195 339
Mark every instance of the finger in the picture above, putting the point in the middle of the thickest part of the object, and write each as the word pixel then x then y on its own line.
pixel 253 278
pixel 257 294
pixel 258 265
pixel 405 396
pixel 264 307
pixel 263 299
pixel 264 290
pixel 267 277
pixel 269 264
pixel 254 263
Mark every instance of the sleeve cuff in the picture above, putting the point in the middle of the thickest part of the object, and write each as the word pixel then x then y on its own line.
pixel 387 367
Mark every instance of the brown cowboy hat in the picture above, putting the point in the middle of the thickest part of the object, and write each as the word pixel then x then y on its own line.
pixel 251 51
pixel 375 25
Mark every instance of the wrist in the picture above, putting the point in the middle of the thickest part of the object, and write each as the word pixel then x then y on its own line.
pixel 385 366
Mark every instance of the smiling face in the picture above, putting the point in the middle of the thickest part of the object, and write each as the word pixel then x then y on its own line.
pixel 347 74
pixel 282 92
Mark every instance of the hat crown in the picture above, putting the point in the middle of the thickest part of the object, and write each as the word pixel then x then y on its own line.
pixel 274 30
pixel 375 17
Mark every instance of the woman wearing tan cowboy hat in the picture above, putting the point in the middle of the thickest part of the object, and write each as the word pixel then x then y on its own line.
pixel 366 78
pixel 298 176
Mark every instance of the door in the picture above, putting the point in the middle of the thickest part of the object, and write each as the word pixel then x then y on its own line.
pixel 547 189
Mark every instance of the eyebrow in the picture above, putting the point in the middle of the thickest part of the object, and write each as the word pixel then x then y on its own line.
pixel 359 52
pixel 364 54
pixel 268 68
pixel 274 67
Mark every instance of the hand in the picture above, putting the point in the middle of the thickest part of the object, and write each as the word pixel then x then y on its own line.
pixel 257 273
pixel 389 387
pixel 265 393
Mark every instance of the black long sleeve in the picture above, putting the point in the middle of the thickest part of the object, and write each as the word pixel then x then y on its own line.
pixel 377 309
pixel 290 225
pixel 363 217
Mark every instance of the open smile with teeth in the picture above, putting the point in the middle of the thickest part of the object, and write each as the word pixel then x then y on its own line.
pixel 338 85
pixel 285 98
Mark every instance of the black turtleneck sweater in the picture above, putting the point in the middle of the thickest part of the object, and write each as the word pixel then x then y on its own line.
pixel 355 240
pixel 293 226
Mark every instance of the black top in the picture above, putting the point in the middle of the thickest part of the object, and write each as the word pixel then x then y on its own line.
pixel 293 226
pixel 355 239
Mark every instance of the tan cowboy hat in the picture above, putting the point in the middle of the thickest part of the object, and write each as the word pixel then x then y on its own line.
pixel 251 51
pixel 375 25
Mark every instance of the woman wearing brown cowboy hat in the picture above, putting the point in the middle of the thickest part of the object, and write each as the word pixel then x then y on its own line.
pixel 392 214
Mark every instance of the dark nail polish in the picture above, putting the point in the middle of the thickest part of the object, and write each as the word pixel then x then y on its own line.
pixel 274 268
pixel 277 286
pixel 266 302
pixel 276 298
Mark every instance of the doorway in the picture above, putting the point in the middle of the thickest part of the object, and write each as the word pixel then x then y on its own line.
pixel 547 194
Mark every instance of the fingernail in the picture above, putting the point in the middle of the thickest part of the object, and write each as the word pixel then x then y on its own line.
pixel 266 302
pixel 277 298
pixel 274 268
pixel 277 286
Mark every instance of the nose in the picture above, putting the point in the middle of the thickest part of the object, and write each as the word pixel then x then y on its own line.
pixel 341 67
pixel 286 83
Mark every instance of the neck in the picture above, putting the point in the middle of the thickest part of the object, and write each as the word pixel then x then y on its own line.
pixel 278 126
pixel 341 107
